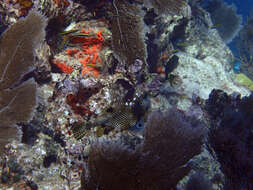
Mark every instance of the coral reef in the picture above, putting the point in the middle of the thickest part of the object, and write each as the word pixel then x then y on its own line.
pixel 113 80
pixel 14 9
pixel 173 7
pixel 27 166
pixel 163 30
pixel 201 51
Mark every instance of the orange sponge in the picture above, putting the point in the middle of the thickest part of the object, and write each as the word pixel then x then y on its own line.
pixel 63 66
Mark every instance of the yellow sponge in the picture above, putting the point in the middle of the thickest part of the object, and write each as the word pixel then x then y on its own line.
pixel 244 80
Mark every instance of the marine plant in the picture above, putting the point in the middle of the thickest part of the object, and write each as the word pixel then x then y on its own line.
pixel 17 95
pixel 231 138
pixel 170 140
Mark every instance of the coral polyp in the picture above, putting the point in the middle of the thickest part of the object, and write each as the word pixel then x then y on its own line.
pixel 111 94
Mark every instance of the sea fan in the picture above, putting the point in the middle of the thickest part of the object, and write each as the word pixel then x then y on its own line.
pixel 18 97
pixel 170 140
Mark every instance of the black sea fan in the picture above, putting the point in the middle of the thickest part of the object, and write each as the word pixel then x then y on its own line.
pixel 226 19
pixel 175 139
pixel 231 138
pixel 170 140
pixel 198 182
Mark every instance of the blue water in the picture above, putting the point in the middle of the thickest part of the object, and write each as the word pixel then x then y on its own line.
pixel 243 7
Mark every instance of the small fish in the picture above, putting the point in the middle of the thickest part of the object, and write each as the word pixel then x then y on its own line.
pixel 79 130
pixel 182 44
pixel 64 42
pixel 94 66
pixel 68 32
pixel 237 66
pixel 72 45
pixel 121 120
pixel 175 50
pixel 215 26
pixel 111 14
pixel 99 131
pixel 80 34
pixel 26 4
pixel 119 41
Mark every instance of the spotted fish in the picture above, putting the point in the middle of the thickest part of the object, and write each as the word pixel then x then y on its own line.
pixel 80 130
pixel 119 120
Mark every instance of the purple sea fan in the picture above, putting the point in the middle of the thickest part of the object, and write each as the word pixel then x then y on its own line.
pixel 175 139
pixel 112 165
pixel 231 138
pixel 18 97
pixel 158 163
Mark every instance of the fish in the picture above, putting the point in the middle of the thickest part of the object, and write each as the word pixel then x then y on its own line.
pixel 79 131
pixel 98 67
pixel 68 32
pixel 119 119
pixel 182 44
pixel 112 14
pixel 80 34
pixel 237 66
pixel 174 51
pixel 215 26
pixel 75 32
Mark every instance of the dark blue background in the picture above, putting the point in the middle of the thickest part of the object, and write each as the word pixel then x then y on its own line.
pixel 243 7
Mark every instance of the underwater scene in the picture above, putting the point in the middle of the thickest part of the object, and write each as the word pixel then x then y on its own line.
pixel 126 95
